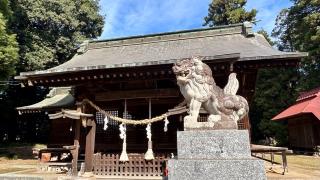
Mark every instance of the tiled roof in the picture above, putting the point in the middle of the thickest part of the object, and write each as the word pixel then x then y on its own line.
pixel 56 98
pixel 166 48
pixel 308 94
pixel 307 102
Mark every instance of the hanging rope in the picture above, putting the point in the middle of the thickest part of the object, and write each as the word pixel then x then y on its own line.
pixel 126 121
pixel 122 127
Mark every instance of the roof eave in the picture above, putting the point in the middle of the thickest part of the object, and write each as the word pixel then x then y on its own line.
pixel 295 55
pixel 26 75
pixel 216 58
pixel 293 116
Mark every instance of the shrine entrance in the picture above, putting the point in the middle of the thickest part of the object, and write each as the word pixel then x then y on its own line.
pixel 109 145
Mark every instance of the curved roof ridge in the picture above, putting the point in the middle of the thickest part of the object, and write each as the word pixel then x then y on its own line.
pixel 170 33
pixel 170 36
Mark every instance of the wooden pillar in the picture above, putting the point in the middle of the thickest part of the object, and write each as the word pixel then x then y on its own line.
pixel 90 143
pixel 150 113
pixel 75 152
pixel 245 92
pixel 149 154
pixel 246 123
pixel 125 114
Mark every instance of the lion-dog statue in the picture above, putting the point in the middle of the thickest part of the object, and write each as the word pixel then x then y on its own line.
pixel 199 89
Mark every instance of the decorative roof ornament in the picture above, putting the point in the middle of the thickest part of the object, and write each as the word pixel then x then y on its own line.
pixel 83 48
pixel 247 28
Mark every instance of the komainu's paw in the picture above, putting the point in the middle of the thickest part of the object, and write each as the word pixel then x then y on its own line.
pixel 187 118
pixel 214 118
pixel 241 112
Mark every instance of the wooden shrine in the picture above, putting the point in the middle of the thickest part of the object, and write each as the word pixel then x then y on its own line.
pixel 303 121
pixel 132 77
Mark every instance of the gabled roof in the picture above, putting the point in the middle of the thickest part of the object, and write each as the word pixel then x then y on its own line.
pixel 165 48
pixel 308 102
pixel 57 98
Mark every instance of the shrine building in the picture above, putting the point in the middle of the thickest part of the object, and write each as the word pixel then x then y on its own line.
pixel 303 119
pixel 132 78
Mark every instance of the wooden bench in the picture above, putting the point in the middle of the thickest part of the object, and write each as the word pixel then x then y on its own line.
pixel 271 150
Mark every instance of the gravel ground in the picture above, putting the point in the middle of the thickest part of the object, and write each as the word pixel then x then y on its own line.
pixel 299 167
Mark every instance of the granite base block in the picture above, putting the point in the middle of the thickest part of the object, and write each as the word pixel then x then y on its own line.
pixel 213 144
pixel 245 169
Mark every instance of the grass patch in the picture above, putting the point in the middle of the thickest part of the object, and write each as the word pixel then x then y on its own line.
pixel 299 167
pixel 303 161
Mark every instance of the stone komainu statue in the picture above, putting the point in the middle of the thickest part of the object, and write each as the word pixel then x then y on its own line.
pixel 198 87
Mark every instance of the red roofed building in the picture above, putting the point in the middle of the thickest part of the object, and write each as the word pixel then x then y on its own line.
pixel 303 120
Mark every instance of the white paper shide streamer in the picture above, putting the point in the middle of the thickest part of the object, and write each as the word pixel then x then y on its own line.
pixel 124 155
pixel 105 125
pixel 149 154
pixel 166 122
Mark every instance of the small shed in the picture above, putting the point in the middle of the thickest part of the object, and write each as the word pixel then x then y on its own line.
pixel 303 120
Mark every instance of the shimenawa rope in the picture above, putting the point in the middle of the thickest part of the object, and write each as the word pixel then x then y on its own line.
pixel 126 121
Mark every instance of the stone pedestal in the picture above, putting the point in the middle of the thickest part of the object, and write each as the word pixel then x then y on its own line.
pixel 215 154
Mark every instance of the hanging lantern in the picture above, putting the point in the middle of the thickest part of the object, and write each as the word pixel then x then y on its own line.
pixel 124 155
pixel 166 122
pixel 149 154
pixel 105 125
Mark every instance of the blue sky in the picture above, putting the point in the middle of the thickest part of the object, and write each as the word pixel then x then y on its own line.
pixel 138 17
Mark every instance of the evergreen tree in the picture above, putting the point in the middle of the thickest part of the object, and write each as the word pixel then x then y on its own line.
pixel 49 31
pixel 275 91
pixel 297 29
pixel 8 46
pixel 222 12
pixel 5 8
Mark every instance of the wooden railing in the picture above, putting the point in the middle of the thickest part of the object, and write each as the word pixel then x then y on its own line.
pixel 109 165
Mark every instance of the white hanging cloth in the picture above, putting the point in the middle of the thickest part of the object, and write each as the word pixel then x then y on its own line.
pixel 149 154
pixel 166 122
pixel 105 125
pixel 124 155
